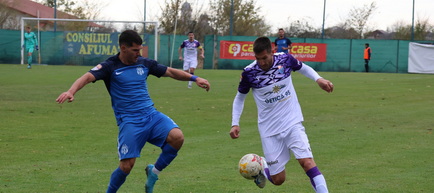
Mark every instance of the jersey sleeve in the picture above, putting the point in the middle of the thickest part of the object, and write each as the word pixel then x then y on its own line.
pixel 101 71
pixel 155 68
pixel 244 86
pixel 294 63
pixel 182 45
pixel 36 39
pixel 289 41
pixel 198 44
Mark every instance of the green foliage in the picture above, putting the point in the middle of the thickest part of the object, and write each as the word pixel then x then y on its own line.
pixel 372 134
pixel 247 20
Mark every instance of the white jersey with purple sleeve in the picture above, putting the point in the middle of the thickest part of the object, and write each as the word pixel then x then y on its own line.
pixel 127 85
pixel 274 94
pixel 190 49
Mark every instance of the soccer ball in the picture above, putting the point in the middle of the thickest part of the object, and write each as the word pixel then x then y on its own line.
pixel 250 166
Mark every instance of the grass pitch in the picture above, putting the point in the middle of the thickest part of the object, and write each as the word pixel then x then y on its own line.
pixel 372 134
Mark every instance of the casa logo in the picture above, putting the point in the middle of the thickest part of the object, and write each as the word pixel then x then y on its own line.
pixel 299 49
pixel 238 49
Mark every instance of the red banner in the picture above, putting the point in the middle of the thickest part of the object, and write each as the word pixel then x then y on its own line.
pixel 243 50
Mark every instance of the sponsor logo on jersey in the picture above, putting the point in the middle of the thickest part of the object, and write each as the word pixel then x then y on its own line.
pixel 281 69
pixel 140 70
pixel 272 162
pixel 276 89
pixel 97 67
pixel 280 97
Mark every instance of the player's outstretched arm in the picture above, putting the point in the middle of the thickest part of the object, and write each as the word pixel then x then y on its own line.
pixel 76 86
pixel 325 84
pixel 237 110
pixel 184 76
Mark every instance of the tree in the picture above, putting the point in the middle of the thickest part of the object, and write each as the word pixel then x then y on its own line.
pixel 169 16
pixel 189 19
pixel 422 29
pixel 402 31
pixel 358 17
pixel 246 18
pixel 302 29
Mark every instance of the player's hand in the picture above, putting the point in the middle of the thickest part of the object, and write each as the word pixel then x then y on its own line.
pixel 180 58
pixel 325 85
pixel 235 132
pixel 203 83
pixel 65 96
pixel 37 47
pixel 202 56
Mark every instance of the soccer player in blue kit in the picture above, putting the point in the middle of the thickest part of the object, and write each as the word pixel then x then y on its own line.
pixel 279 113
pixel 282 44
pixel 125 76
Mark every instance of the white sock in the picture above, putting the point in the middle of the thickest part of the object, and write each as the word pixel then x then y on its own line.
pixel 155 171
pixel 320 183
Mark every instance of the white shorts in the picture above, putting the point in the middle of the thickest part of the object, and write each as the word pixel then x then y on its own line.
pixel 189 64
pixel 277 148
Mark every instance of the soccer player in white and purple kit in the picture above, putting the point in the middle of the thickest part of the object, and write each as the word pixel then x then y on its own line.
pixel 279 113
pixel 190 47
pixel 125 77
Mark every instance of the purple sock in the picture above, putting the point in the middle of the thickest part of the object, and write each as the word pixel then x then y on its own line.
pixel 313 172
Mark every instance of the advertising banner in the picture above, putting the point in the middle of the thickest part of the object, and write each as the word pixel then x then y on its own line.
pixel 87 43
pixel 243 50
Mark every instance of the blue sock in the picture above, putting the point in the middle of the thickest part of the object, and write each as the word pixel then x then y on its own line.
pixel 29 60
pixel 167 155
pixel 317 180
pixel 116 180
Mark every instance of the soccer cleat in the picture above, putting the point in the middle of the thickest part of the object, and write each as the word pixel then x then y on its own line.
pixel 260 180
pixel 29 66
pixel 152 178
pixel 189 84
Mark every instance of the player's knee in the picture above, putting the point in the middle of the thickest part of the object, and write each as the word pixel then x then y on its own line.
pixel 278 180
pixel 127 165
pixel 307 163
pixel 175 138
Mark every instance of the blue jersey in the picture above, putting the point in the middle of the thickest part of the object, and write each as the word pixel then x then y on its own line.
pixel 127 86
pixel 284 42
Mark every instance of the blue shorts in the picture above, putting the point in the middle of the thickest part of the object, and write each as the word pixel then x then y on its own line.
pixel 133 134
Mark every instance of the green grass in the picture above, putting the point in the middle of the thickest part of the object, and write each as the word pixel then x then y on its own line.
pixel 372 134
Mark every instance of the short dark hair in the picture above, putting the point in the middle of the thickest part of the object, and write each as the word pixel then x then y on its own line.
pixel 128 37
pixel 261 44
pixel 190 32
pixel 366 44
pixel 281 29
